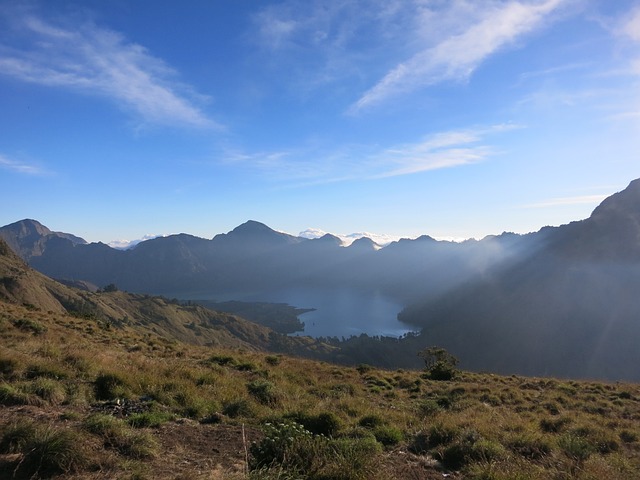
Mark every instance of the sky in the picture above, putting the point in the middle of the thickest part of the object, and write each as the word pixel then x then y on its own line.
pixel 451 118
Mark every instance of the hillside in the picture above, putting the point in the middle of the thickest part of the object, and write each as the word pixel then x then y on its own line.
pixel 193 324
pixel 83 401
pixel 561 301
pixel 568 308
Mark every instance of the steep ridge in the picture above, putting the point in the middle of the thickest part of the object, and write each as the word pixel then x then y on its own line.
pixel 193 324
pixel 566 308
pixel 28 237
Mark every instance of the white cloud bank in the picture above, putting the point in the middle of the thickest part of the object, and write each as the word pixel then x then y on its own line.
pixel 94 60
pixel 127 244
pixel 347 239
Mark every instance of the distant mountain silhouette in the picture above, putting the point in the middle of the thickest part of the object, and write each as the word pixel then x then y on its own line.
pixel 562 301
pixel 566 306
pixel 194 324
pixel 28 237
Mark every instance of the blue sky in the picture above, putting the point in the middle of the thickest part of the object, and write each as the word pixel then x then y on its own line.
pixel 456 118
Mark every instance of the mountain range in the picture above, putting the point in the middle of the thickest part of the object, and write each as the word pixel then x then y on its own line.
pixel 561 301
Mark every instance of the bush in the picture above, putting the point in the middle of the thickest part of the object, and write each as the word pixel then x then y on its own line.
pixel 109 386
pixel 46 371
pixel 429 407
pixel 272 360
pixel 224 360
pixel 45 451
pixel 554 425
pixel 627 436
pixel 294 452
pixel 530 447
pixel 118 435
pixel 49 390
pixel 9 395
pixel 263 391
pixel 277 446
pixel 439 364
pixel 149 419
pixel 387 435
pixel 575 447
pixel 371 421
pixel 26 325
pixel 8 368
pixel 326 423
pixel 469 449
pixel 238 408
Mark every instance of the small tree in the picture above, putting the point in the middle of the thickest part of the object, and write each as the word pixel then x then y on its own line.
pixel 440 364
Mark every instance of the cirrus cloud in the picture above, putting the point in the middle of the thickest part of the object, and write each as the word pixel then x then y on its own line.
pixel 97 61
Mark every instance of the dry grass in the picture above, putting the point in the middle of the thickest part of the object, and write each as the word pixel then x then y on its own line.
pixel 480 426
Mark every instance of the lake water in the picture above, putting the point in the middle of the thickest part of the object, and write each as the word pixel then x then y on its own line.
pixel 339 312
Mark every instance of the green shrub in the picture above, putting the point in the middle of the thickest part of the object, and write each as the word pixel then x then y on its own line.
pixel 575 447
pixel 246 367
pixel 429 407
pixel 149 419
pixel 46 371
pixel 277 446
pixel 10 395
pixel 137 445
pixel 16 437
pixel 388 435
pixel 26 325
pixel 293 452
pixel 439 364
pixel 224 360
pixel 272 360
pixel 238 408
pixel 364 368
pixel 49 390
pixel 440 434
pixel 627 436
pixel 347 459
pixel 9 368
pixel 109 386
pixel 118 435
pixel 554 425
pixel 371 421
pixel 263 391
pixel 530 447
pixel 325 423
pixel 45 451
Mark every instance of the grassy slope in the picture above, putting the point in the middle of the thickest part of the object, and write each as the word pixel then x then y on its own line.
pixel 131 386
pixel 20 284
pixel 482 426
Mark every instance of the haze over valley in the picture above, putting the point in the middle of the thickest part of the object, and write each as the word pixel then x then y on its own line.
pixel 558 302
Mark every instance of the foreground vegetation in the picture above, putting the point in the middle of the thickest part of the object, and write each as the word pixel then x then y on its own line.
pixel 83 400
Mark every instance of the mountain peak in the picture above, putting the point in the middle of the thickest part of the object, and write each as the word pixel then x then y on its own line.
pixel 252 227
pixel 27 227
pixel 255 233
pixel 329 238
pixel 625 203
pixel 364 243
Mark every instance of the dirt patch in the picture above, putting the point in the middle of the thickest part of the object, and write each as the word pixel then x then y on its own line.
pixel 196 450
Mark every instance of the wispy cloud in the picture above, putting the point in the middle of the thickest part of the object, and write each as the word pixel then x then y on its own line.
pixel 489 28
pixel 305 167
pixel 94 60
pixel 21 167
pixel 630 26
pixel 565 201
